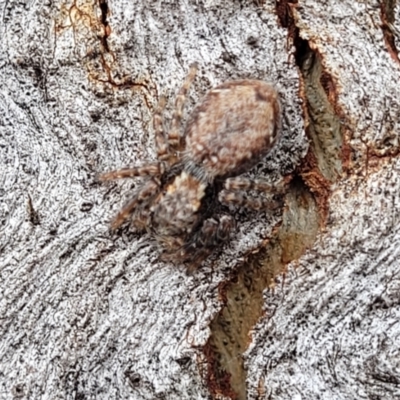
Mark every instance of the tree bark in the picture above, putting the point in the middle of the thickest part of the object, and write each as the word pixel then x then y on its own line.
pixel 302 303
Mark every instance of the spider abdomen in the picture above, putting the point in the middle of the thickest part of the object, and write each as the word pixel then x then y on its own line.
pixel 235 125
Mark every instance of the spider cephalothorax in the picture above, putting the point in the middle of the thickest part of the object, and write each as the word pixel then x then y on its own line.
pixel 235 125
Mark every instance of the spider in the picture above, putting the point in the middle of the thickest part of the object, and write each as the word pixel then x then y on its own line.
pixel 197 172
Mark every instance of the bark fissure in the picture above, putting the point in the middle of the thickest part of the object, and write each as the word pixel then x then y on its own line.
pixel 306 211
pixel 91 33
pixel 104 12
pixel 324 127
pixel 243 294
pixel 388 18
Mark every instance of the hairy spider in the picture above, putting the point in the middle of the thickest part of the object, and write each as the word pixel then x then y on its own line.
pixel 196 174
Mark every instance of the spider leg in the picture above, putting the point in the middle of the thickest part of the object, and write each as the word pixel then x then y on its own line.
pixel 175 134
pixel 234 193
pixel 151 169
pixel 211 235
pixel 239 198
pixel 148 190
pixel 142 218
pixel 161 141
pixel 243 183
pixel 214 233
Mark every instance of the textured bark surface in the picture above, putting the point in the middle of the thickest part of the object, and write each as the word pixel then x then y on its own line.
pixel 302 303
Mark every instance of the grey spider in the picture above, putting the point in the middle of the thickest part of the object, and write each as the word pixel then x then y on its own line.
pixel 197 171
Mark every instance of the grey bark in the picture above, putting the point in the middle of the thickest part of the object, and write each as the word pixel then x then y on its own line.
pixel 90 314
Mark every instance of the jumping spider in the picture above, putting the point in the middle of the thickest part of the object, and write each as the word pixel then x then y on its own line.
pixel 196 174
